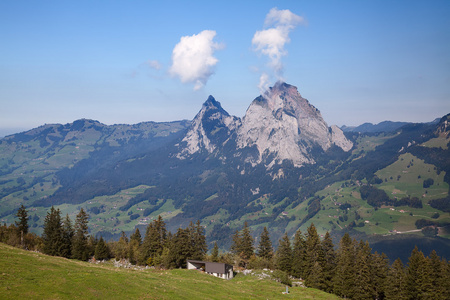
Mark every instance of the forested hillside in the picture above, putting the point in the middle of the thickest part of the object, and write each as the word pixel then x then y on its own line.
pixel 124 176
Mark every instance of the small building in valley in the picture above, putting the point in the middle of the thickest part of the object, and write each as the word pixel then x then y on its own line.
pixel 220 270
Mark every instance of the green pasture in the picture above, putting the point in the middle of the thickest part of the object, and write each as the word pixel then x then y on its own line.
pixel 30 275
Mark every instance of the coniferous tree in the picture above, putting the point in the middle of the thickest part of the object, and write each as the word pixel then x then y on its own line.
pixel 215 253
pixel 121 248
pixel 199 248
pixel 52 236
pixel 134 246
pixel 299 255
pixel 284 254
pixel 101 250
pixel 166 259
pixel 154 241
pixel 265 250
pixel 92 244
pixel 344 278
pixel 436 278
pixel 181 247
pixel 67 236
pixel 136 236
pixel 380 270
pixel 314 259
pixel 418 279
pixel 396 281
pixel 445 269
pixel 329 264
pixel 22 224
pixel 364 285
pixel 236 243
pixel 247 249
pixel 80 238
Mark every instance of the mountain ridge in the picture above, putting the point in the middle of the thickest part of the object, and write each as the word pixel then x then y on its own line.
pixel 280 124
pixel 214 170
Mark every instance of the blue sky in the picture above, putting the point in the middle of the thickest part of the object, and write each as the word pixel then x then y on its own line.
pixel 115 62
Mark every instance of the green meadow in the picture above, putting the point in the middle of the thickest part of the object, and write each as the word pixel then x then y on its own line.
pixel 30 275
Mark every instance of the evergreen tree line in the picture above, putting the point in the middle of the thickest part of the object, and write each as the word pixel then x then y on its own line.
pixel 161 248
pixel 61 237
pixel 350 270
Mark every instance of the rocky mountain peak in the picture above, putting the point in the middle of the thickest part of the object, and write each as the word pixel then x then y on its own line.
pixel 284 125
pixel 210 128
pixel 280 123
pixel 212 103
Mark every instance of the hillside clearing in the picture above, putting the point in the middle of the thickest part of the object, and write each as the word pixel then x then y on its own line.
pixel 33 275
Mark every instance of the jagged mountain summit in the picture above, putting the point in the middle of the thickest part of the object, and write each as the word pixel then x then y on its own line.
pixel 210 129
pixel 284 125
pixel 278 125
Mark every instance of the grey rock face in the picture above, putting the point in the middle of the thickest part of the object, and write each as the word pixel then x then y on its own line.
pixel 281 124
pixel 210 129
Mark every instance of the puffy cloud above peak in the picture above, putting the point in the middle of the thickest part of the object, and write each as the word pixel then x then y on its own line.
pixel 272 40
pixel 283 18
pixel 193 58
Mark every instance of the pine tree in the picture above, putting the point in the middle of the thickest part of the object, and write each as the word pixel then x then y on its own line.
pixel 329 264
pixel 284 254
pixel 22 225
pixel 67 236
pixel 121 249
pixel 52 235
pixel 101 250
pixel 380 270
pixel 91 245
pixel 364 285
pixel 396 282
pixel 437 280
pixel 199 248
pixel 134 246
pixel 445 269
pixel 299 255
pixel 418 276
pixel 265 250
pixel 154 241
pixel 344 278
pixel 182 247
pixel 236 243
pixel 80 239
pixel 136 236
pixel 247 249
pixel 215 253
pixel 314 259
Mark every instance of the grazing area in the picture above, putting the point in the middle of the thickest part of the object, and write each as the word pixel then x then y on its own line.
pixel 34 275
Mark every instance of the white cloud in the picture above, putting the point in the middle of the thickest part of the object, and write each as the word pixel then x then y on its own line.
pixel 154 64
pixel 283 17
pixel 193 60
pixel 272 40
pixel 263 83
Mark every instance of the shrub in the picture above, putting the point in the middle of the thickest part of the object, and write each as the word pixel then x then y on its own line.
pixel 435 215
pixel 134 216
pixel 427 183
pixel 282 277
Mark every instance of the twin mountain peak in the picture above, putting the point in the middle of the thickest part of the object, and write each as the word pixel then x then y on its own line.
pixel 278 125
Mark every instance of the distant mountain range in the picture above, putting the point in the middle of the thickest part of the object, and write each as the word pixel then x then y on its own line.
pixel 279 166
pixel 386 126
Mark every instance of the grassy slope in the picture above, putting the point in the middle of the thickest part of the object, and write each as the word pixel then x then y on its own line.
pixel 32 275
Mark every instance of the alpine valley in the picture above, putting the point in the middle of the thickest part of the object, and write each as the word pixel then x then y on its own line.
pixel 280 166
